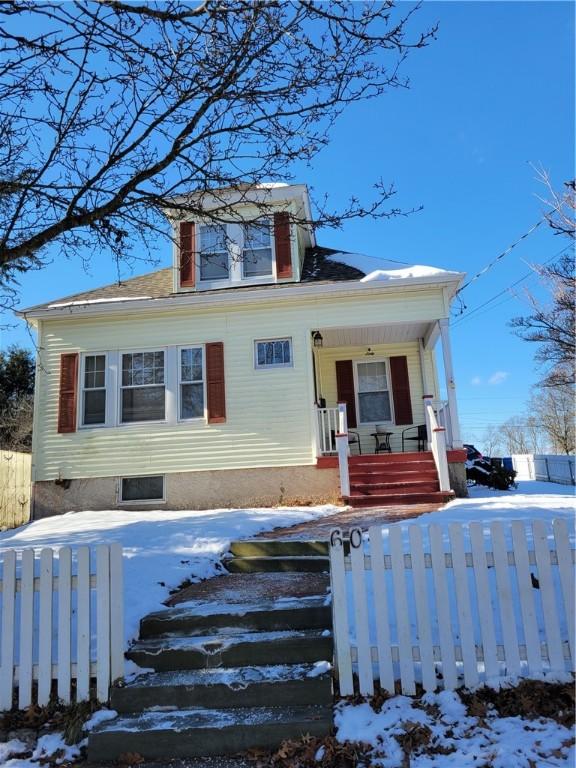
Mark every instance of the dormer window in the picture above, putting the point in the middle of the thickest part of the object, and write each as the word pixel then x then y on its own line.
pixel 257 250
pixel 213 252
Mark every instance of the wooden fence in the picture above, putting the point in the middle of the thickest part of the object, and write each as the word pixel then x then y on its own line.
pixel 451 607
pixel 62 624
pixel 15 488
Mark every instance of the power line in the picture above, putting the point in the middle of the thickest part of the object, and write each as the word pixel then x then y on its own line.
pixel 501 256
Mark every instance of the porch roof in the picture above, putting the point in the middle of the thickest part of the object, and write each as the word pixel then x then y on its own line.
pixel 370 335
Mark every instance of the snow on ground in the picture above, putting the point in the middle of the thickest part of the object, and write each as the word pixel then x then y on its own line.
pixel 454 740
pixel 162 548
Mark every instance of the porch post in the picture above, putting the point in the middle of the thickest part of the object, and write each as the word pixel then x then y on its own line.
pixel 425 387
pixel 450 383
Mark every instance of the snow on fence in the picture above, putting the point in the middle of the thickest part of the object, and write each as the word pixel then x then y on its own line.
pixel 61 620
pixel 546 467
pixel 451 607
pixel 14 488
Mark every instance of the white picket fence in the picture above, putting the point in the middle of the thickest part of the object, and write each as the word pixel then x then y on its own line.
pixel 62 620
pixel 451 606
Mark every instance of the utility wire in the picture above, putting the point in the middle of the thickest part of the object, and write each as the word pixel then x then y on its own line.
pixel 500 256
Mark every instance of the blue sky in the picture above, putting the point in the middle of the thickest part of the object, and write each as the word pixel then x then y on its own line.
pixel 491 96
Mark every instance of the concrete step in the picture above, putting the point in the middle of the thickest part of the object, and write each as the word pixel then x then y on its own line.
pixel 391 458
pixel 394 489
pixel 278 547
pixel 285 685
pixel 273 615
pixel 386 500
pixel 280 564
pixel 205 732
pixel 231 647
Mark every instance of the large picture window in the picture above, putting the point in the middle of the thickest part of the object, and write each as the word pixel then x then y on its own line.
pixel 191 383
pixel 142 387
pixel 213 252
pixel 373 392
pixel 257 252
pixel 94 390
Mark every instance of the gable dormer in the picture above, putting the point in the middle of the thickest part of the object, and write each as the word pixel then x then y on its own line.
pixel 252 236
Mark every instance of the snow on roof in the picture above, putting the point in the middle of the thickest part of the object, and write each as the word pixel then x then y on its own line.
pixel 377 269
pixel 81 302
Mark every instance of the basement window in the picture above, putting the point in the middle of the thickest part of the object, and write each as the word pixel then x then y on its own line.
pixel 147 488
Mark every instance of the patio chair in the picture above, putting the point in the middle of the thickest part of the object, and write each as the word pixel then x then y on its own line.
pixel 421 436
pixel 353 439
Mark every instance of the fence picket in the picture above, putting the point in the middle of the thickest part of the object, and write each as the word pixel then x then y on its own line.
pixel 8 625
pixel 385 666
pixel 365 676
pixel 526 592
pixel 566 578
pixel 103 622
pixel 64 623
pixel 506 603
pixel 45 628
pixel 340 613
pixel 116 613
pixel 26 629
pixel 485 602
pixel 463 605
pixel 443 607
pixel 429 681
pixel 83 623
pixel 402 616
pixel 551 624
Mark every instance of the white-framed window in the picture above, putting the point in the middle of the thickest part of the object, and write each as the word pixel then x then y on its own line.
pixel 145 488
pixel 273 353
pixel 213 259
pixel 93 390
pixel 257 249
pixel 191 383
pixel 142 387
pixel 373 392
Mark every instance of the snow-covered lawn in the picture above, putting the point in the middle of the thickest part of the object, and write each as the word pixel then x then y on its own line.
pixel 162 548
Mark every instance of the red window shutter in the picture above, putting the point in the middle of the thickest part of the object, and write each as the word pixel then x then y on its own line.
pixel 215 386
pixel 401 390
pixel 282 245
pixel 187 254
pixel 68 387
pixel 345 389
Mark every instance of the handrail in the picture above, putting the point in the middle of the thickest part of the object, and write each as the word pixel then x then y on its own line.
pixel 437 443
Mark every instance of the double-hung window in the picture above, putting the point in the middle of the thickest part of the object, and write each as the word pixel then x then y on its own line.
pixel 373 392
pixel 191 375
pixel 143 394
pixel 94 390
pixel 257 251
pixel 213 252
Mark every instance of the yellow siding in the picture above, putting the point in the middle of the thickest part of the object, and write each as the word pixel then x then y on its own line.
pixel 269 412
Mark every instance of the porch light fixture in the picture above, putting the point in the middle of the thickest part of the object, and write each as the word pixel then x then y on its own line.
pixel 317 339
pixel 369 352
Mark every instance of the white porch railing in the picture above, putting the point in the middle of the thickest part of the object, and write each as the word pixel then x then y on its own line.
pixel 442 411
pixel 437 439
pixel 327 427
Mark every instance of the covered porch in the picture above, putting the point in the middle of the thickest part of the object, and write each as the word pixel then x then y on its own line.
pixel 383 374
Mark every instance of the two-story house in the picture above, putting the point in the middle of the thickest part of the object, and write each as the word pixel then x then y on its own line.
pixel 216 381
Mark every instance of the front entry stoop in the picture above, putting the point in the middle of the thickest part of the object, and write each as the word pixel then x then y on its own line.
pixel 229 675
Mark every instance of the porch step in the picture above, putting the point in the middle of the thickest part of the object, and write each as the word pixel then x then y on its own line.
pixel 204 732
pixel 315 564
pixel 285 685
pixel 278 548
pixel 394 489
pixel 393 475
pixel 391 458
pixel 386 500
pixel 301 613
pixel 231 647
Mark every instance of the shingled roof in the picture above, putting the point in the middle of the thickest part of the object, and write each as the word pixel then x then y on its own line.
pixel 317 267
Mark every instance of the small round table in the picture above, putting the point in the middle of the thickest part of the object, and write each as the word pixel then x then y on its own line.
pixel 382 440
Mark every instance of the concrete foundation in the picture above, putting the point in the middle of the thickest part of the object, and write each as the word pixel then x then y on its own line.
pixel 457 475
pixel 263 487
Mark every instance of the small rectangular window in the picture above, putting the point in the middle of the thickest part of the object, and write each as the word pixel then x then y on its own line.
pixel 142 488
pixel 191 383
pixel 94 390
pixel 213 252
pixel 257 252
pixel 273 353
pixel 142 387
